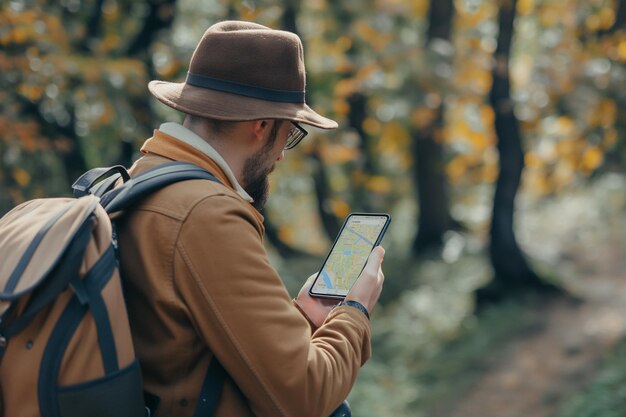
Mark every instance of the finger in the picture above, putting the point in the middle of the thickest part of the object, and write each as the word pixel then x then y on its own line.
pixel 310 279
pixel 375 259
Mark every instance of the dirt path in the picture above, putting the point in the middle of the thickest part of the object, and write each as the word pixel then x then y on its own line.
pixel 540 370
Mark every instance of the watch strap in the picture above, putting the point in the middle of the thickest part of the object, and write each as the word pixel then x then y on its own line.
pixel 356 305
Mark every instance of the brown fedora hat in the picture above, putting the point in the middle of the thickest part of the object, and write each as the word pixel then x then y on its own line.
pixel 244 71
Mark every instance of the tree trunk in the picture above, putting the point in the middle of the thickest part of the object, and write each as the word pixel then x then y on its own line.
pixel 434 214
pixel 322 192
pixel 322 189
pixel 92 28
pixel 620 16
pixel 159 17
pixel 356 118
pixel 511 269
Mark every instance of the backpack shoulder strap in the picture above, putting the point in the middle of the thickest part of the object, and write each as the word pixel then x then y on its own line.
pixel 85 184
pixel 150 181
pixel 101 182
pixel 211 389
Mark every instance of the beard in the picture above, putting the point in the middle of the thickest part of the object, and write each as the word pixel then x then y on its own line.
pixel 257 181
pixel 256 172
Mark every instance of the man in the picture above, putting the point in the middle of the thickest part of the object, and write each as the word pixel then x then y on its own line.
pixel 200 288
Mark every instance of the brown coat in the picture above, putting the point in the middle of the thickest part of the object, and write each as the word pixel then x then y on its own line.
pixel 200 284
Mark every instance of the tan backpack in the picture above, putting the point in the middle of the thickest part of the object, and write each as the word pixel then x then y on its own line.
pixel 65 341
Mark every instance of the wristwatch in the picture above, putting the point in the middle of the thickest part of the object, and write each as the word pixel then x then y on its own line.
pixel 356 305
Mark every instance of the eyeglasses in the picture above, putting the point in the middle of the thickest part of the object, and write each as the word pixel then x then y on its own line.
pixel 296 134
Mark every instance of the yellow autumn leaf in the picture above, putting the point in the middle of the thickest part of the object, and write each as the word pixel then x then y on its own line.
pixel 610 137
pixel 111 11
pixel 345 87
pixel 563 174
pixel 591 159
pixel 456 168
pixel 20 35
pixel 608 112
pixel 621 50
pixel 110 42
pixel 343 43
pixel 371 126
pixel 537 182
pixel 250 14
pixel 549 18
pixel 358 177
pixel 607 17
pixel 339 208
pixel 22 177
pixel 422 117
pixel 338 154
pixel 32 92
pixel 54 23
pixel 489 173
pixel 367 70
pixel 365 30
pixel 593 23
pixel 381 41
pixel 564 125
pixel 478 140
pixel 565 148
pixel 419 8
pixel 340 107
pixel 378 184
pixel 344 66
pixel 533 161
pixel 406 160
pixel 525 7
pixel 285 233
pixel 394 137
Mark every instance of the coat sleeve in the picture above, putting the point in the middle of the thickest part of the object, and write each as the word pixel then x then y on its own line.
pixel 242 311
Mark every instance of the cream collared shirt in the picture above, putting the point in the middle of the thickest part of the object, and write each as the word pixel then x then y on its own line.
pixel 180 132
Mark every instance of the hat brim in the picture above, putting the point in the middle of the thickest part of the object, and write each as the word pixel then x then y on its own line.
pixel 226 106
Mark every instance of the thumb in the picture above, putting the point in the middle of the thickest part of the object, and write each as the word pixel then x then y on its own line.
pixel 375 258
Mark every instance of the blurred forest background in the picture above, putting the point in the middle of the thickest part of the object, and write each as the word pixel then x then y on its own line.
pixel 493 132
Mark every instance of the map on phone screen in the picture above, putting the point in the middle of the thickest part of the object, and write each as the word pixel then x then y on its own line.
pixel 349 254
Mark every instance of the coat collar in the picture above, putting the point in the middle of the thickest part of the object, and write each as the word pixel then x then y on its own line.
pixel 183 134
pixel 170 147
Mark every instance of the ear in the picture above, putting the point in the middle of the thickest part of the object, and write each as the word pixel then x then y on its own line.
pixel 260 129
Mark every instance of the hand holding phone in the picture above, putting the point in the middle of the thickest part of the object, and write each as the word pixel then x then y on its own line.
pixel 368 287
pixel 360 234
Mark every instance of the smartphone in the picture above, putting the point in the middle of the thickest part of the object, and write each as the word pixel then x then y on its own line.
pixel 359 235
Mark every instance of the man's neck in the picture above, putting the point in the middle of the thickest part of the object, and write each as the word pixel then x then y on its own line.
pixel 193 139
pixel 225 145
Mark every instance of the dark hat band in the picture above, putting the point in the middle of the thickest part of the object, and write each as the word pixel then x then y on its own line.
pixel 283 96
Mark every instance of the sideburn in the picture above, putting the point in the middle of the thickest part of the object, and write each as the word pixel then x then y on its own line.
pixel 255 173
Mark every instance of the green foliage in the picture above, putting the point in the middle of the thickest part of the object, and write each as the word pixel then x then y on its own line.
pixel 606 396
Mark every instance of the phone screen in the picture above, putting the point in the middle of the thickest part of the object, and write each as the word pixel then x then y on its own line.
pixel 347 258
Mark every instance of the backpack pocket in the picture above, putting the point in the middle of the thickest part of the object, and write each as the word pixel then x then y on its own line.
pixel 118 394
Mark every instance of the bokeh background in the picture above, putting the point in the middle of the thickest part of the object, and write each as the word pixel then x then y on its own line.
pixel 493 132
